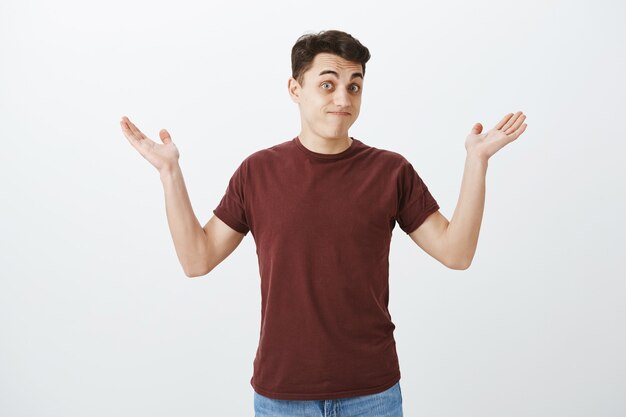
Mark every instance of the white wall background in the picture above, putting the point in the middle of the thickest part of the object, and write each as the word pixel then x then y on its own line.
pixel 96 315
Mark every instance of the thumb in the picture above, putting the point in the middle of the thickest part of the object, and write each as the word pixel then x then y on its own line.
pixel 477 128
pixel 165 136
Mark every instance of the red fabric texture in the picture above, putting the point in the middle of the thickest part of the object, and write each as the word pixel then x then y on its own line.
pixel 322 226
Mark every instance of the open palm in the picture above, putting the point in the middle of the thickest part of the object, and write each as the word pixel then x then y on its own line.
pixel 161 156
pixel 486 144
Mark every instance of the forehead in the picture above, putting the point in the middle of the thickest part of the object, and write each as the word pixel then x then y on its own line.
pixel 325 60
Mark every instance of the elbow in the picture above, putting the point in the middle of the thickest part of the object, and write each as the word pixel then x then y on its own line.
pixel 198 262
pixel 464 266
pixel 458 267
pixel 190 274
pixel 193 273
pixel 460 264
pixel 198 272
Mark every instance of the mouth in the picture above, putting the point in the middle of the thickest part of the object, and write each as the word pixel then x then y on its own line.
pixel 339 113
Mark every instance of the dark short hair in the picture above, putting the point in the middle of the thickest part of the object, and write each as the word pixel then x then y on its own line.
pixel 331 41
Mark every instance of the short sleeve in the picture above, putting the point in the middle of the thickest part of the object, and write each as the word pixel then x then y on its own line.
pixel 415 202
pixel 231 209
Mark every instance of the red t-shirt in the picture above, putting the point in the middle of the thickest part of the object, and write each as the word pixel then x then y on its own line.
pixel 322 225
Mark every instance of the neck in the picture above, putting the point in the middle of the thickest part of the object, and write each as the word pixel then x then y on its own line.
pixel 325 145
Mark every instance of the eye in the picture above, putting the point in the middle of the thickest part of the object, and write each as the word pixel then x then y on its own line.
pixel 326 83
pixel 356 88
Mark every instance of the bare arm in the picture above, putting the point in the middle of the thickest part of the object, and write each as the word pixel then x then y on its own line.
pixel 454 242
pixel 222 241
pixel 198 249
pixel 190 241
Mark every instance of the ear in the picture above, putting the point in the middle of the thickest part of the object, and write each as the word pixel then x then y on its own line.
pixel 294 89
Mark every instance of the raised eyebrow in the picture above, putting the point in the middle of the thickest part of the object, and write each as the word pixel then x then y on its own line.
pixel 353 76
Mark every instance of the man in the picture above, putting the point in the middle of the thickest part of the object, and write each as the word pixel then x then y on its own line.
pixel 321 208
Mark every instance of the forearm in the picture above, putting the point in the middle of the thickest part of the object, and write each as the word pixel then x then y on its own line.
pixel 189 238
pixel 464 227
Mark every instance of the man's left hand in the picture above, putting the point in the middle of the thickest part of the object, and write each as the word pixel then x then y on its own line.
pixel 485 145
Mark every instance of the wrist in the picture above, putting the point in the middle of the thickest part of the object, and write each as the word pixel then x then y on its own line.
pixel 478 159
pixel 169 171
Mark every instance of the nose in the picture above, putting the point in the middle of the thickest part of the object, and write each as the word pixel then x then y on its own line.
pixel 341 98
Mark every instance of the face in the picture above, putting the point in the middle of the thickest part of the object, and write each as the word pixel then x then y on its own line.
pixel 330 97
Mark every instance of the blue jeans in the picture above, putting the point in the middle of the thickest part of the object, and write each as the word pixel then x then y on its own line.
pixel 383 404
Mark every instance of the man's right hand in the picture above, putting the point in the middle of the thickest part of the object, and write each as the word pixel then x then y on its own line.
pixel 162 157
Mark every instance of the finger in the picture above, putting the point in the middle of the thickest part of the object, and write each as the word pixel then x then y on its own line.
pixel 515 126
pixel 503 121
pixel 130 135
pixel 512 120
pixel 135 130
pixel 518 132
pixel 165 136
pixel 126 128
